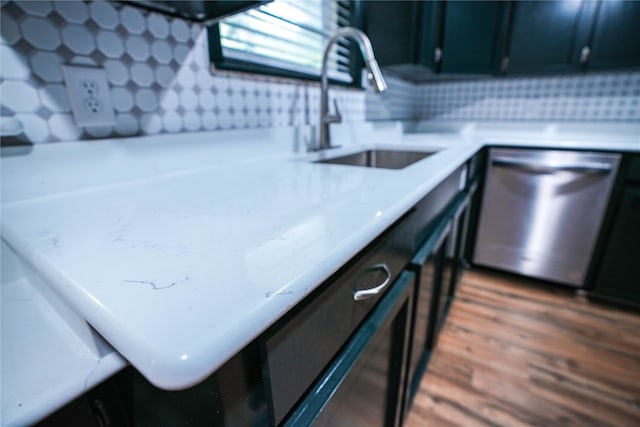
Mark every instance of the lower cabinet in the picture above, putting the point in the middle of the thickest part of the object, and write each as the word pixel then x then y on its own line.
pixel 619 270
pixel 364 386
pixel 100 407
pixel 233 396
pixel 438 265
pixel 298 348
pixel 428 265
pixel 461 219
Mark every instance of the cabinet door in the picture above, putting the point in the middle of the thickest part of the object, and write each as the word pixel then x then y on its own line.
pixel 460 222
pixel 79 412
pixel 616 35
pixel 428 264
pixel 363 387
pixel 475 184
pixel 102 406
pixel 391 27
pixel 304 342
pixel 548 36
pixel 429 31
pixel 474 36
pixel 620 270
pixel 446 268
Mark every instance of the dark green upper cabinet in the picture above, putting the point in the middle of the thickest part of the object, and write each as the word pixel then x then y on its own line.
pixel 390 26
pixel 616 36
pixel 417 39
pixel 548 36
pixel 429 33
pixel 474 36
pixel 569 36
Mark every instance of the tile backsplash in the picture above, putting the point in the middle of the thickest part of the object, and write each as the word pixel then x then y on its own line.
pixel 160 79
pixel 158 71
pixel 593 97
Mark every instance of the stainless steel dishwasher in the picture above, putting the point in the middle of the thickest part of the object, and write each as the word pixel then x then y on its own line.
pixel 542 211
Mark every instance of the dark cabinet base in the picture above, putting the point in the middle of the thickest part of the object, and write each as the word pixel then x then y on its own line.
pixel 364 386
pixel 233 396
pixel 619 276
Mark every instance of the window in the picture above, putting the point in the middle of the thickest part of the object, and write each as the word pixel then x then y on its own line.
pixel 287 38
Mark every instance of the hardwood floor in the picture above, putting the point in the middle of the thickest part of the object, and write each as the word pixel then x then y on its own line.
pixel 513 353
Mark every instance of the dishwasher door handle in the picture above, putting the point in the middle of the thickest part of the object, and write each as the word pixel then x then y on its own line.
pixel 528 165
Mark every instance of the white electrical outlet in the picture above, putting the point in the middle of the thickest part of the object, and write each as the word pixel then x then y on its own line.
pixel 89 95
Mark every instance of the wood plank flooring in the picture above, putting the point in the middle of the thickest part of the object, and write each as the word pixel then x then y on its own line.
pixel 514 353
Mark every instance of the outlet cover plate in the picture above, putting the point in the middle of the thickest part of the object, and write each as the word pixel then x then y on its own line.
pixel 89 95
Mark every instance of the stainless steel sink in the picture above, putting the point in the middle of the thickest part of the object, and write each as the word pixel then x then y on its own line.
pixel 386 159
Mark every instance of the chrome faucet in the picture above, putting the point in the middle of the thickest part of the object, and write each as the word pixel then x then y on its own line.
pixel 374 75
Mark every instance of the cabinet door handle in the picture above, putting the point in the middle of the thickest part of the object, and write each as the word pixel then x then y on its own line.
pixel 101 414
pixel 437 55
pixel 584 54
pixel 504 66
pixel 372 292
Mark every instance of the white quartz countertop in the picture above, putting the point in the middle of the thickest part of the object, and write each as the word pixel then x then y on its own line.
pixel 179 272
pixel 180 268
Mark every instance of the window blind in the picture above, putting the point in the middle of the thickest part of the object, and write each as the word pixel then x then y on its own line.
pixel 290 35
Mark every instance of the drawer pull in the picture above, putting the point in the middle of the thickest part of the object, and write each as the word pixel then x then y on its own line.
pixel 371 292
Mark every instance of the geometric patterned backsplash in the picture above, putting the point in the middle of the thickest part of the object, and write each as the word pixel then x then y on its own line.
pixel 157 68
pixel 594 97
pixel 160 81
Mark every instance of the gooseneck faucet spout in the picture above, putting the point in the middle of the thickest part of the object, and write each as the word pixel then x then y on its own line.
pixel 374 75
